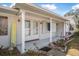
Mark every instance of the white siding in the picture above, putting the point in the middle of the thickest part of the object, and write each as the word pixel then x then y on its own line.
pixel 5 39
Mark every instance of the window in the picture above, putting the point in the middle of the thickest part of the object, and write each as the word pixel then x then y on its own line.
pixel 45 27
pixel 48 26
pixel 27 24
pixel 35 27
pixel 3 25
pixel 27 27
pixel 41 27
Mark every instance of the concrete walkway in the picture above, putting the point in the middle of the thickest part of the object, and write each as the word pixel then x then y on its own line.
pixel 55 52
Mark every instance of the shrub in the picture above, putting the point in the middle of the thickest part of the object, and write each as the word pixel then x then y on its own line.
pixel 59 43
pixel 76 33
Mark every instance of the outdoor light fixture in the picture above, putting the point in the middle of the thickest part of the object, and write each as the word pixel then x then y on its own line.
pixel 18 20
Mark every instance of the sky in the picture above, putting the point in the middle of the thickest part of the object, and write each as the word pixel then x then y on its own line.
pixel 41 1
pixel 58 8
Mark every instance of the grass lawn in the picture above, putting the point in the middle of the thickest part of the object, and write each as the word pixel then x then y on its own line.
pixel 73 46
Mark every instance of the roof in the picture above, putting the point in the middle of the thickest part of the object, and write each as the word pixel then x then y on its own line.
pixel 49 11
pixel 30 7
pixel 34 8
pixel 8 10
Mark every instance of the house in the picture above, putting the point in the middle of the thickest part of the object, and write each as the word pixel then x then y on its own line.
pixel 33 26
pixel 7 16
pixel 73 17
pixel 72 23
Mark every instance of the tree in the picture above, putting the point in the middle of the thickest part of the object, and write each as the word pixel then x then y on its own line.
pixel 75 16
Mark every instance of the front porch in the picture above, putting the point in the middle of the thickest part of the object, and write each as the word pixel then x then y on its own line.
pixel 37 24
pixel 46 30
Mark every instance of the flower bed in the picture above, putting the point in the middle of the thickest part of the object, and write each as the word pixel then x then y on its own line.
pixel 35 53
pixel 60 45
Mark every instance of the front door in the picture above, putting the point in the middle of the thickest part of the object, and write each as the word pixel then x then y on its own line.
pixel 13 34
pixel 35 29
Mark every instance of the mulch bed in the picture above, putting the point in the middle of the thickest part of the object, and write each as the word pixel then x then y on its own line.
pixel 6 52
pixel 15 52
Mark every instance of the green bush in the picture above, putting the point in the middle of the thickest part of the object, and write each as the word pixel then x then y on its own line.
pixel 76 33
pixel 77 26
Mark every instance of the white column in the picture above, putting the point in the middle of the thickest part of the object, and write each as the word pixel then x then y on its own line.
pixel 64 28
pixel 31 28
pixel 51 30
pixel 23 31
pixel 39 29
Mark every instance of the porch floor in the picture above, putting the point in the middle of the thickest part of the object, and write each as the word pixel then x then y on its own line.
pixel 34 45
pixel 38 44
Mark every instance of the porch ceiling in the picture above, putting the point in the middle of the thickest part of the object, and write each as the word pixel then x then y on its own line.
pixel 33 8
